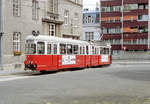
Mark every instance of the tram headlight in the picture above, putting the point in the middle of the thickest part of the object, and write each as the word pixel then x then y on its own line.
pixel 30 62
pixel 34 65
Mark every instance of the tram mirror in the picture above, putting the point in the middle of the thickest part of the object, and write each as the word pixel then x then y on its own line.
pixel 33 33
pixel 38 33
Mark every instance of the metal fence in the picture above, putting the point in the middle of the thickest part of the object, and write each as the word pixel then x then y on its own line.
pixel 126 55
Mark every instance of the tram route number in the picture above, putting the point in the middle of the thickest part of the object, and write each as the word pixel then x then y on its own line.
pixel 68 59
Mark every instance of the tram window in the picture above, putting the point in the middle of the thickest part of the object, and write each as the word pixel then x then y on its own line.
pixel 30 49
pixel 105 51
pixel 96 51
pixel 92 50
pixel 87 50
pixel 69 49
pixel 62 48
pixel 40 47
pixel 55 48
pixel 75 49
pixel 83 50
pixel 102 50
pixel 49 47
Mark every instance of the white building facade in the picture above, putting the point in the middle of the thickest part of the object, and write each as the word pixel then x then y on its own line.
pixel 19 18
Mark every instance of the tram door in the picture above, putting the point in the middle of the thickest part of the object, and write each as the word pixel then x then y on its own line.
pixel 52 60
pixel 55 56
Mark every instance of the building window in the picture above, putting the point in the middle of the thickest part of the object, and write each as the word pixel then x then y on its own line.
pixel 52 29
pixel 53 6
pixel 76 16
pixel 142 17
pixel 89 36
pixel 89 19
pixel 17 43
pixel 66 17
pixel 128 7
pixel 35 14
pixel 17 8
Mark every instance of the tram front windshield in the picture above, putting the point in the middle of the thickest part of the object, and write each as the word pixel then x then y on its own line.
pixel 30 48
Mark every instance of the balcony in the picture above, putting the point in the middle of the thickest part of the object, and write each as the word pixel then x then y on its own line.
pixel 135 23
pixel 111 36
pixel 111 14
pixel 135 1
pixel 116 47
pixel 137 47
pixel 135 36
pixel 52 18
pixel 111 3
pixel 111 25
pixel 119 2
pixel 136 12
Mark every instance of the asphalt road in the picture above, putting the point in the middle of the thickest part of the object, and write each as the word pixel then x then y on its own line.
pixel 116 84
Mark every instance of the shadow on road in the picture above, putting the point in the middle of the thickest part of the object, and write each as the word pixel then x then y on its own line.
pixel 37 73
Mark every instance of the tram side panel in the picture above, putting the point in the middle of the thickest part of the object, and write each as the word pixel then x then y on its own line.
pixel 81 61
pixel 55 62
pixel 87 60
pixel 94 60
pixel 99 60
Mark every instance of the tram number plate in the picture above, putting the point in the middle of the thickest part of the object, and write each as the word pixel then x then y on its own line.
pixel 104 58
pixel 68 59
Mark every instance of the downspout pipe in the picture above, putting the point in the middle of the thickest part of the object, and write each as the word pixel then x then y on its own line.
pixel 1 32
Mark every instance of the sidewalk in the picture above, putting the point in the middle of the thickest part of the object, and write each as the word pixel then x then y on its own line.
pixel 130 61
pixel 12 71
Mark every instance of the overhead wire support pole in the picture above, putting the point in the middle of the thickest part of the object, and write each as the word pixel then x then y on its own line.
pixel 122 23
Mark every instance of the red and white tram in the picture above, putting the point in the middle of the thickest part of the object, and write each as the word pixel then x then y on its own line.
pixel 47 53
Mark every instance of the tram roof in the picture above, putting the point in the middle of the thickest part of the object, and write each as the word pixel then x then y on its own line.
pixel 56 39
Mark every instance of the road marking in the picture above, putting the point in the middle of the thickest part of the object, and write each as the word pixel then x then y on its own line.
pixel 11 78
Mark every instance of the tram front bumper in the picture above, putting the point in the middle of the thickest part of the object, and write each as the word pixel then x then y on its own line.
pixel 30 67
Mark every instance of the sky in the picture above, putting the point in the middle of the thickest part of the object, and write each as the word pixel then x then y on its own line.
pixel 91 4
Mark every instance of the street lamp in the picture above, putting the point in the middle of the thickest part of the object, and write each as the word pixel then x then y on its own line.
pixel 1 34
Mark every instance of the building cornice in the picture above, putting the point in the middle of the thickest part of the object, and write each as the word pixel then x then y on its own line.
pixel 75 3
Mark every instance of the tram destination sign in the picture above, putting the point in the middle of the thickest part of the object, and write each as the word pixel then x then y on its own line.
pixel 68 59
